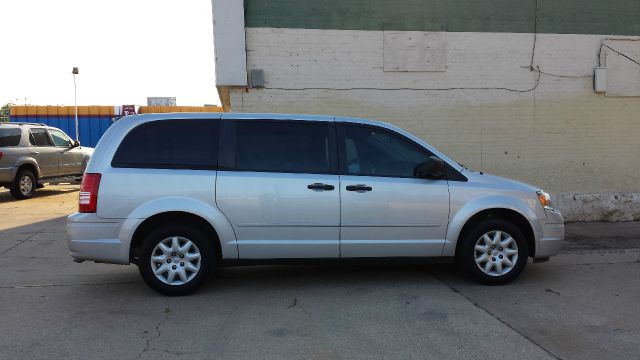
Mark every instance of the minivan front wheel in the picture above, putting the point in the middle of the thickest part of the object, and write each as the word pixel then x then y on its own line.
pixel 175 260
pixel 494 251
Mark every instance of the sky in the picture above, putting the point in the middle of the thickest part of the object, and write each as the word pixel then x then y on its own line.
pixel 126 50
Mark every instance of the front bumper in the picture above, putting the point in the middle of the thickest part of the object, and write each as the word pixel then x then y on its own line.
pixel 550 241
pixel 95 239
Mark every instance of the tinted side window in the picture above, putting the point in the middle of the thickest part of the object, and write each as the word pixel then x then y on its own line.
pixel 372 151
pixel 169 144
pixel 39 137
pixel 283 146
pixel 60 138
pixel 10 137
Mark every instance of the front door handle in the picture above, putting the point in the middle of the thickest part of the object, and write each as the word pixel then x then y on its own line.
pixel 359 187
pixel 320 186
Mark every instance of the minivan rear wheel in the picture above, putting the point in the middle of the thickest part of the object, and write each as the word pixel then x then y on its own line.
pixel 24 185
pixel 493 251
pixel 175 260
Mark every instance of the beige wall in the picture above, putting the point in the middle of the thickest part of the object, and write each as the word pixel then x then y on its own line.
pixel 562 136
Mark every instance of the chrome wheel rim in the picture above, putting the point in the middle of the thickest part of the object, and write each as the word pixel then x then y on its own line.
pixel 26 185
pixel 175 260
pixel 496 253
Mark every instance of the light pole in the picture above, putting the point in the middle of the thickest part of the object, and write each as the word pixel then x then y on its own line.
pixel 75 72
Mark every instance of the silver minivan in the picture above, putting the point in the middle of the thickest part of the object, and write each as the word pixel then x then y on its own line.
pixel 181 194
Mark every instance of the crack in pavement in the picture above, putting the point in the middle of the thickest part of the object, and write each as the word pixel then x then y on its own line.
pixel 148 341
pixel 66 285
pixel 177 353
pixel 601 252
pixel 455 290
pixel 600 263
pixel 20 242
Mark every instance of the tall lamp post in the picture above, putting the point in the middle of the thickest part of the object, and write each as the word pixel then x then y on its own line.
pixel 75 72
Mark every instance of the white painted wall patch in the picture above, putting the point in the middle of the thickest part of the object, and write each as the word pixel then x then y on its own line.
pixel 414 51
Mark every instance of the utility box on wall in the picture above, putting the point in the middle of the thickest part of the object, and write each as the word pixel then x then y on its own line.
pixel 600 80
pixel 256 78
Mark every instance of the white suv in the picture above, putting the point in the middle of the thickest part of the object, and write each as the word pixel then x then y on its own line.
pixel 181 194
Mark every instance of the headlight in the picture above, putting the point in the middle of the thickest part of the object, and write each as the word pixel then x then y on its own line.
pixel 544 198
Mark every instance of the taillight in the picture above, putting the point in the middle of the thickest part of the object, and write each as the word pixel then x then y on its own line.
pixel 88 200
pixel 1 155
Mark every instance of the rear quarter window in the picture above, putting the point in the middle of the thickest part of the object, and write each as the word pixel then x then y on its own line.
pixel 170 144
pixel 39 137
pixel 10 137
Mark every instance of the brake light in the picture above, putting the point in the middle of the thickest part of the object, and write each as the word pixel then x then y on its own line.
pixel 88 200
pixel 1 155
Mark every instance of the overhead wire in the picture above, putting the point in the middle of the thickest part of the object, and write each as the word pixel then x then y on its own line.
pixel 414 89
pixel 619 53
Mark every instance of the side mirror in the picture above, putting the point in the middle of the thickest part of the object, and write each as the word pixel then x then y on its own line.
pixel 75 144
pixel 433 168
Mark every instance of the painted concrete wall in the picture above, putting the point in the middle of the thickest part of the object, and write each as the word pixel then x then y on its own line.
pixel 229 47
pixel 487 109
pixel 505 86
pixel 619 17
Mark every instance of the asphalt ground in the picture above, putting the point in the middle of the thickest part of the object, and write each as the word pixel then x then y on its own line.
pixel 583 304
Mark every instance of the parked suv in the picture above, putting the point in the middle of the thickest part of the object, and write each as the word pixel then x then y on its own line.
pixel 181 194
pixel 32 153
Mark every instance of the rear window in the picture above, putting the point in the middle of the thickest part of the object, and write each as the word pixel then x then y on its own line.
pixel 170 144
pixel 10 137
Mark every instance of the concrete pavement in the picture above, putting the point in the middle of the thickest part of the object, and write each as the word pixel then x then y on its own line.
pixel 580 305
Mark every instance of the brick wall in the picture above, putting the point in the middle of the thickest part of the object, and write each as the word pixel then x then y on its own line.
pixel 562 136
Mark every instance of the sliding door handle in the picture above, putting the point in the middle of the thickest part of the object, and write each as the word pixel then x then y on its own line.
pixel 359 187
pixel 320 186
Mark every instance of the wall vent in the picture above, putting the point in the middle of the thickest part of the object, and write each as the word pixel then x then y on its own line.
pixel 256 78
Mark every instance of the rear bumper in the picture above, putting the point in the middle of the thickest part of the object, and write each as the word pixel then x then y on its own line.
pixel 95 239
pixel 550 241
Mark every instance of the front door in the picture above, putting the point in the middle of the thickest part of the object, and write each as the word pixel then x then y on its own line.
pixel 278 188
pixel 385 210
pixel 69 158
pixel 42 150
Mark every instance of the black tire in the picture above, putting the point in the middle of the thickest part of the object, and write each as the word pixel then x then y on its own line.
pixel 467 252
pixel 17 191
pixel 203 244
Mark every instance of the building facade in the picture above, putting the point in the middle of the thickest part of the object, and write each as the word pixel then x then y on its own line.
pixel 503 86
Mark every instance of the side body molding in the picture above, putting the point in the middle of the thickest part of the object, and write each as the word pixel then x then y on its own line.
pixel 461 211
pixel 187 205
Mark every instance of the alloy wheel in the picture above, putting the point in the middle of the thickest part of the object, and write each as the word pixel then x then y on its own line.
pixel 26 185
